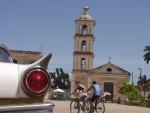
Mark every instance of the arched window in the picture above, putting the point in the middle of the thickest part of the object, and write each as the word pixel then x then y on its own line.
pixel 84 30
pixel 84 47
pixel 83 63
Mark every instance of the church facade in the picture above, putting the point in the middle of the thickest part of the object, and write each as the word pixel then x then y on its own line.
pixel 109 76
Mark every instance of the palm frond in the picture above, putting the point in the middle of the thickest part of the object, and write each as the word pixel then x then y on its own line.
pixel 147 54
pixel 147 48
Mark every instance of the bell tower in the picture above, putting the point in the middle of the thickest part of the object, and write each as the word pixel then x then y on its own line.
pixel 83 48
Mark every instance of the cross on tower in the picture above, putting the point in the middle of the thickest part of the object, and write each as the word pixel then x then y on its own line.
pixel 109 59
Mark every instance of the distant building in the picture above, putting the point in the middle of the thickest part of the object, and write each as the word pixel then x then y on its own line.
pixel 109 76
pixel 25 57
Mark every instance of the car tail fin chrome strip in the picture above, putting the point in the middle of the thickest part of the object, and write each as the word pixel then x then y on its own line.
pixel 43 62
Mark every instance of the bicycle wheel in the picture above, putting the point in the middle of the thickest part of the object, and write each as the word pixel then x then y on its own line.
pixel 100 107
pixel 74 106
pixel 87 106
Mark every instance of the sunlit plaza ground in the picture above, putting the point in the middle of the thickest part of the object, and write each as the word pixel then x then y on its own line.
pixel 63 107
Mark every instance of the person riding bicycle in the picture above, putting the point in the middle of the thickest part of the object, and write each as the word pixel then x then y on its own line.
pixel 80 89
pixel 96 89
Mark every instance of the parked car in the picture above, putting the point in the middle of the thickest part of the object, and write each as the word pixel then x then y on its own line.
pixel 22 87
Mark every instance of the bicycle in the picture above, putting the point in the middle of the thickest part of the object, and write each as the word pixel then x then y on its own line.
pixel 98 105
pixel 83 104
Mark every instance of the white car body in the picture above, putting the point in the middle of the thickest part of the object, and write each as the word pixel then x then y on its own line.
pixel 10 78
pixel 13 84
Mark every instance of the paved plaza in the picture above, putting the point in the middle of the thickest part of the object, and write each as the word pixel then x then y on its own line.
pixel 63 107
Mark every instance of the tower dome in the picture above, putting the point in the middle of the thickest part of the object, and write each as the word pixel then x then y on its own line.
pixel 85 15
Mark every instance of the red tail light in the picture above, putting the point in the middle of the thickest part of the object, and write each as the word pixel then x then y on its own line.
pixel 36 82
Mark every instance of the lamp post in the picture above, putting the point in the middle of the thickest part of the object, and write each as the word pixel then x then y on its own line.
pixel 140 72
pixel 140 78
pixel 132 78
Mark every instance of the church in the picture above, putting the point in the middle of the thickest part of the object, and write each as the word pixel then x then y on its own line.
pixel 109 76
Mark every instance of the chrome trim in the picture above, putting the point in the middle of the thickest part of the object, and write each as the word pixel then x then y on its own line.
pixel 43 62
pixel 46 107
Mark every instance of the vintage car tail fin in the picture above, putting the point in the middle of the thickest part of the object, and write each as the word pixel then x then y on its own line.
pixel 43 62
pixel 36 80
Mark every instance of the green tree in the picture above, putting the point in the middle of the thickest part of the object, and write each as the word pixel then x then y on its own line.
pixel 143 83
pixel 131 91
pixel 147 54
pixel 60 79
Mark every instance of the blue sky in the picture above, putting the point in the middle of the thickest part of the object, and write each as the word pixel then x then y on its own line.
pixel 122 30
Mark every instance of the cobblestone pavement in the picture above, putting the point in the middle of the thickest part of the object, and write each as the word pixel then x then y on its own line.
pixel 63 107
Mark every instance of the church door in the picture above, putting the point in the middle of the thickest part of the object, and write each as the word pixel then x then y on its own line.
pixel 109 87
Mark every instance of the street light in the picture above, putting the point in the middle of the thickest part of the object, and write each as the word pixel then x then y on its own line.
pixel 140 78
pixel 132 78
pixel 140 72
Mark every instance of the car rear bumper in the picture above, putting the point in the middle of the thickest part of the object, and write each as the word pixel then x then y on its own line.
pixel 45 107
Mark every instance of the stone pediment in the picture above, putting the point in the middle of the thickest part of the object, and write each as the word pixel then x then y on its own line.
pixel 109 68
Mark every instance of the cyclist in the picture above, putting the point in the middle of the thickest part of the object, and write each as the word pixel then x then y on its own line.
pixel 96 89
pixel 80 89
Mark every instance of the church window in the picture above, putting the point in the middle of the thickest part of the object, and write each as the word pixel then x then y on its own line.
pixel 84 29
pixel 109 70
pixel 83 63
pixel 84 47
